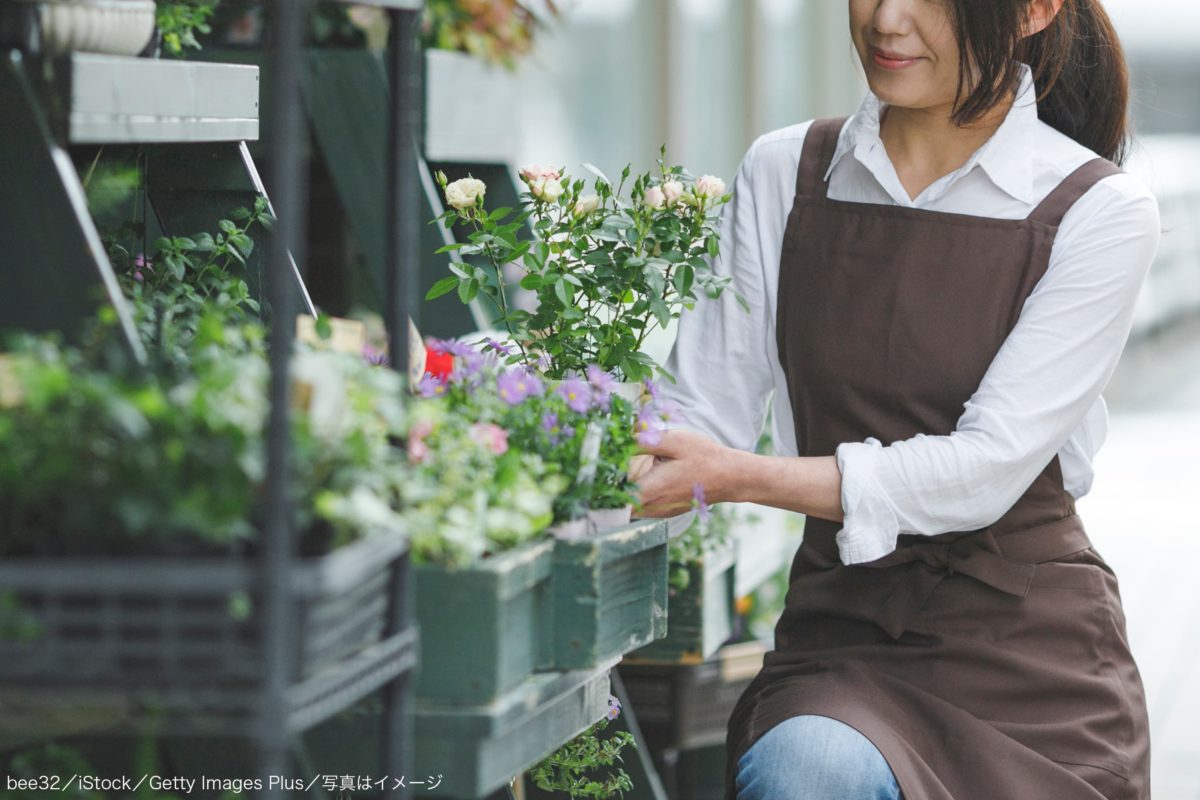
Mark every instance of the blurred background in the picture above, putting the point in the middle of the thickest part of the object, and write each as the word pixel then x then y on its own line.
pixel 617 78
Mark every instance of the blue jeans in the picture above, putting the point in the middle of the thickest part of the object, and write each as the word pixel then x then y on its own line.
pixel 811 757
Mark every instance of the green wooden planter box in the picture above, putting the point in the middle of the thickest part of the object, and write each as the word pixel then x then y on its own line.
pixel 485 628
pixel 610 593
pixel 474 749
pixel 480 750
pixel 699 617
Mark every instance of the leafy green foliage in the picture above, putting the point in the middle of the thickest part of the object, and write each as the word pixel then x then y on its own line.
pixel 180 21
pixel 469 494
pixel 186 278
pixel 606 270
pixel 571 769
pixel 500 31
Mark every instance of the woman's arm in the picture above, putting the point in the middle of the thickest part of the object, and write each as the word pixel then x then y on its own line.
pixel 1046 376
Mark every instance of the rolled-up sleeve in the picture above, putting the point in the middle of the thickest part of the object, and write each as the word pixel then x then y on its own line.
pixel 1043 381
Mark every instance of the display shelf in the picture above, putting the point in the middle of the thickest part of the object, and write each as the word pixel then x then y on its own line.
pixel 119 99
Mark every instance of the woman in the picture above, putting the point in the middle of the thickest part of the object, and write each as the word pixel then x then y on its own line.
pixel 940 289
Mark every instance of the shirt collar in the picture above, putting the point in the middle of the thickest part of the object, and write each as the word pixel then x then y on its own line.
pixel 1007 157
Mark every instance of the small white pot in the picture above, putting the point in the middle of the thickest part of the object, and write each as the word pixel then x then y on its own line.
pixel 603 519
pixel 115 27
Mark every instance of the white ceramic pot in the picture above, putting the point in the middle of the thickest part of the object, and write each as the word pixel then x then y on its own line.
pixel 631 391
pixel 603 519
pixel 115 27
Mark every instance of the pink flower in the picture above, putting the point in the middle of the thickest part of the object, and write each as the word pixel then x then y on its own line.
pixel 709 187
pixel 418 451
pixel 490 436
pixel 534 172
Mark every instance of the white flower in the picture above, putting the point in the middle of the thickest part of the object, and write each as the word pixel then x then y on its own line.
pixel 710 187
pixel 547 189
pixel 673 190
pixel 586 204
pixel 464 193
pixel 533 172
pixel 655 197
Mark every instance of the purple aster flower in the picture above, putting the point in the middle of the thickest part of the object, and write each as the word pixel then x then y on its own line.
pixel 653 390
pixel 602 384
pixel 431 386
pixel 499 347
pixel 452 347
pixel 551 426
pixel 649 426
pixel 515 385
pixel 577 393
pixel 698 501
pixel 374 357
pixel 614 707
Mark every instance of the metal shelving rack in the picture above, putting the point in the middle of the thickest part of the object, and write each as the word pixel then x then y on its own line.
pixel 198 117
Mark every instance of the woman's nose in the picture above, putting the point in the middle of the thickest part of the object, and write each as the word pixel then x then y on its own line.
pixel 894 17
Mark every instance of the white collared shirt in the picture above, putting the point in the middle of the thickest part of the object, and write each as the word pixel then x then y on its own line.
pixel 1041 394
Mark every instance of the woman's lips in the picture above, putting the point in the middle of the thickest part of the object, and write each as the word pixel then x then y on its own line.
pixel 890 60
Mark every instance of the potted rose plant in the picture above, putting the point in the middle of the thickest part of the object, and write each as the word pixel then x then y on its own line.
pixel 471 51
pixel 606 269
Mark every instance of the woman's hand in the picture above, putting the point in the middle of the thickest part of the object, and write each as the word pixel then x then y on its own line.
pixel 808 485
pixel 681 460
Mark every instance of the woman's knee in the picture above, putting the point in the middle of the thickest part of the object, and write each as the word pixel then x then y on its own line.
pixel 811 757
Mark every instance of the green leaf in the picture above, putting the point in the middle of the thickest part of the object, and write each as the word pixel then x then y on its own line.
pixel 499 213
pixel 442 287
pixel 563 293
pixel 532 282
pixel 467 290
pixel 243 243
pixel 227 226
pixel 204 243
pixel 447 248
pixel 240 214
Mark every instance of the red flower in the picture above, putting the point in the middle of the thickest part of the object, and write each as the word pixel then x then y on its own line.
pixel 438 363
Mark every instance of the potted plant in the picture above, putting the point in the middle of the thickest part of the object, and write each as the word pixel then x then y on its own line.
pixel 606 269
pixel 471 51
pixel 476 509
pixel 116 27
pixel 574 770
pixel 702 590
pixel 609 582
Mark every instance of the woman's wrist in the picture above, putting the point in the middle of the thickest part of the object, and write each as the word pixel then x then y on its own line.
pixel 807 485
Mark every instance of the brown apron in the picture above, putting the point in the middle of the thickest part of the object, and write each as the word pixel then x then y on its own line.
pixel 985 665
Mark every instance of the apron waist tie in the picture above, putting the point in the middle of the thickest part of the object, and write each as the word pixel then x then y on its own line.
pixel 1005 561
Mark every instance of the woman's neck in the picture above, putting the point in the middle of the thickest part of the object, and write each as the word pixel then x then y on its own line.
pixel 924 144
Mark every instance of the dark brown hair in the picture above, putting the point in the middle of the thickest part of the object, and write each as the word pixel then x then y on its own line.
pixel 1078 68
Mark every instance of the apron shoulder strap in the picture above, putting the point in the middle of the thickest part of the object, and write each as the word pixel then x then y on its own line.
pixel 819 145
pixel 1051 210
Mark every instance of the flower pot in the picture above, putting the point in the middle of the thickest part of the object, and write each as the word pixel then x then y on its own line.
pixel 474 749
pixel 633 391
pixel 610 593
pixel 684 706
pixel 469 110
pixel 173 627
pixel 485 628
pixel 116 27
pixel 699 616
pixel 603 519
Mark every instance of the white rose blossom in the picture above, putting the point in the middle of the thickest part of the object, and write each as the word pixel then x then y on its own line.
pixel 655 197
pixel 547 189
pixel 464 193
pixel 586 204
pixel 673 190
pixel 710 187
